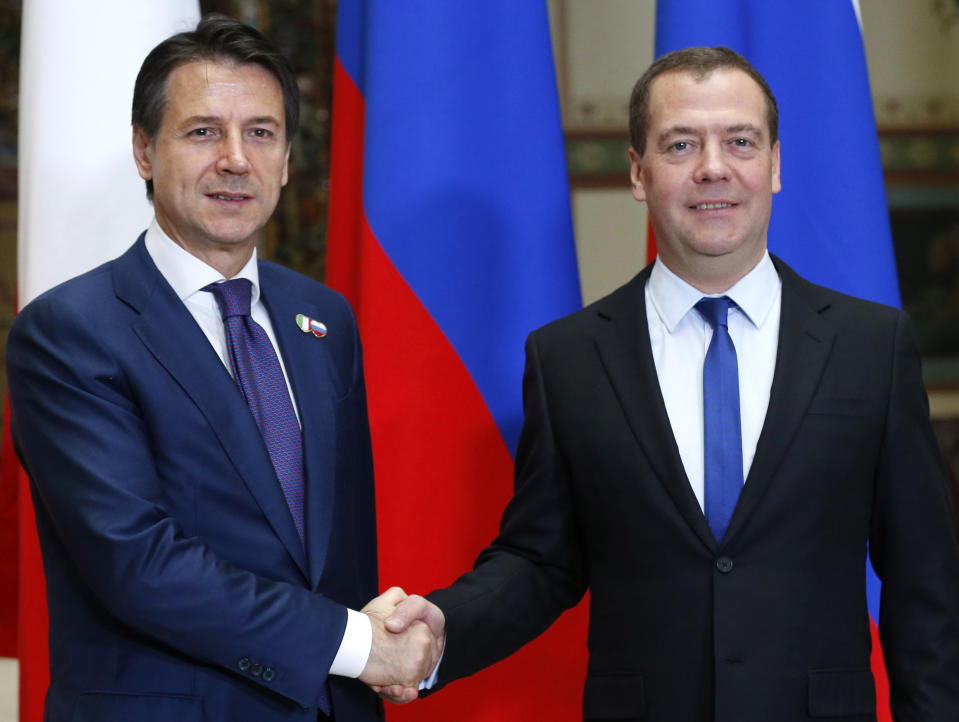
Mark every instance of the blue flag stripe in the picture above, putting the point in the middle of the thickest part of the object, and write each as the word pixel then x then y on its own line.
pixel 351 39
pixel 465 178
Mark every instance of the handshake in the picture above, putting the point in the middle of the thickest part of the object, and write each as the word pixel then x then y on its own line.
pixel 408 637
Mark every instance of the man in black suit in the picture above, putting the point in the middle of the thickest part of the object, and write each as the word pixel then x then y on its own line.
pixel 723 539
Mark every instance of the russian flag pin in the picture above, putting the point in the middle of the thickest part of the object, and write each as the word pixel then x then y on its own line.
pixel 311 325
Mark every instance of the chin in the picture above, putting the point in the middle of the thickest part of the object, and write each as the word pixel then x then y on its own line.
pixel 233 236
pixel 724 246
pixel 717 250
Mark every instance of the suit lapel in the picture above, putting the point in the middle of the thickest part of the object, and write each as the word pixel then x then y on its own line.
pixel 307 362
pixel 622 340
pixel 168 330
pixel 805 341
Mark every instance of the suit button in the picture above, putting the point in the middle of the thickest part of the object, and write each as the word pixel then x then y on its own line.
pixel 244 664
pixel 268 675
pixel 724 564
pixel 256 670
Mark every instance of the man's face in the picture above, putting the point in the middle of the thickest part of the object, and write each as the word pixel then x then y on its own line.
pixel 708 173
pixel 220 157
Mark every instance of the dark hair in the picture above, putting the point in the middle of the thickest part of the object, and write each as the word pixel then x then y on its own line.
pixel 216 38
pixel 700 62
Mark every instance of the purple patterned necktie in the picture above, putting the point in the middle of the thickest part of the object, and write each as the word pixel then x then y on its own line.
pixel 260 378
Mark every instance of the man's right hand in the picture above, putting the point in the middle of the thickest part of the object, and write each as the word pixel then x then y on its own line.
pixel 398 659
pixel 409 612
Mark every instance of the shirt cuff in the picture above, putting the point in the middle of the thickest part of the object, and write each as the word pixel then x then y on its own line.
pixel 354 651
pixel 430 681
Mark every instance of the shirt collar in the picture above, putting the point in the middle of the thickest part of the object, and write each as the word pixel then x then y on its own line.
pixel 754 294
pixel 186 273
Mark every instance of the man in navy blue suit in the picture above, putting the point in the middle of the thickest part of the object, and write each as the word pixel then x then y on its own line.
pixel 201 563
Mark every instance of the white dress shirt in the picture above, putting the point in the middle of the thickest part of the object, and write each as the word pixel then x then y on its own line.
pixel 680 336
pixel 187 274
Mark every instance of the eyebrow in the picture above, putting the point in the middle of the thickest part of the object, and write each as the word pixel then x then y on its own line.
pixel 213 119
pixel 678 130
pixel 263 120
pixel 689 130
pixel 745 128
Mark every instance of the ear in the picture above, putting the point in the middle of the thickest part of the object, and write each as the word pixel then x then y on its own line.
pixel 636 175
pixel 776 180
pixel 143 153
pixel 286 165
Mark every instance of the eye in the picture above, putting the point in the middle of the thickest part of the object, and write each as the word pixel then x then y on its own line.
pixel 680 145
pixel 742 142
pixel 201 132
pixel 261 133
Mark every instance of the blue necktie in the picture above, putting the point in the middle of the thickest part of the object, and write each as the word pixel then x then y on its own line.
pixel 723 434
pixel 261 381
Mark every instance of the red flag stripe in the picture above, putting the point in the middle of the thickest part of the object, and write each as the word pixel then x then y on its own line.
pixel 429 419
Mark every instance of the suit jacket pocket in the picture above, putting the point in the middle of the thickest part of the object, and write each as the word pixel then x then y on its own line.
pixel 839 406
pixel 614 697
pixel 113 707
pixel 841 692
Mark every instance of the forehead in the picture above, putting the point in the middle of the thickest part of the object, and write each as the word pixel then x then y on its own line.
pixel 202 85
pixel 725 95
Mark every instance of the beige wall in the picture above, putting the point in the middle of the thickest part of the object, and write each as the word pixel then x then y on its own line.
pixel 913 53
pixel 601 48
pixel 9 679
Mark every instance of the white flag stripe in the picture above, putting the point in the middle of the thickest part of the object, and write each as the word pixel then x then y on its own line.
pixel 81 201
pixel 855 7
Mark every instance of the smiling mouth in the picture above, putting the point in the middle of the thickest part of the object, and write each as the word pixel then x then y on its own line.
pixel 228 196
pixel 712 206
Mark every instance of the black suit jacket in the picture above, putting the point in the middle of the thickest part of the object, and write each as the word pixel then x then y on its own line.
pixel 178 588
pixel 771 625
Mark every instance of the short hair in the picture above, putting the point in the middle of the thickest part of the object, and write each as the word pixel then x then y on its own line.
pixel 699 61
pixel 217 38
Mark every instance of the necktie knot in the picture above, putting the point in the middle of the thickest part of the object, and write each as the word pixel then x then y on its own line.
pixel 715 310
pixel 233 296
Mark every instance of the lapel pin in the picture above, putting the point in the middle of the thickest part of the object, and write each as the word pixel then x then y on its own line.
pixel 311 325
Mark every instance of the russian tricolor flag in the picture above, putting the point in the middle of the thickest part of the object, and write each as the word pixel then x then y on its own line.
pixel 450 232
pixel 830 222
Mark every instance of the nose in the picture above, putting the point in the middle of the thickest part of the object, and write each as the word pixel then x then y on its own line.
pixel 232 158
pixel 712 165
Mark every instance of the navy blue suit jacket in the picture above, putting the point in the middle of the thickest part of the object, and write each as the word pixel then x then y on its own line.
pixel 178 588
